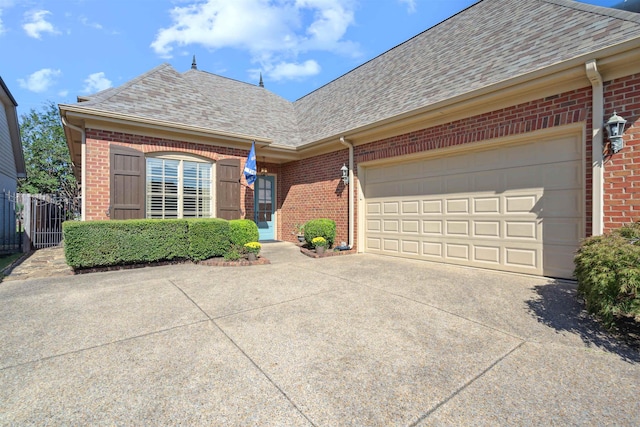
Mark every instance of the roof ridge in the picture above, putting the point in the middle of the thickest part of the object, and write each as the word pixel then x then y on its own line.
pixel 623 15
pixel 119 89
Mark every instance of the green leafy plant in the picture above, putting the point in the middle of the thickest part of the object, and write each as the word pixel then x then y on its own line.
pixel 252 247
pixel 243 231
pixel 298 229
pixel 234 253
pixel 608 273
pixel 322 227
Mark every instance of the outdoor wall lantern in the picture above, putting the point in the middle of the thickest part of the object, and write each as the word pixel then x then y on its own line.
pixel 615 129
pixel 345 174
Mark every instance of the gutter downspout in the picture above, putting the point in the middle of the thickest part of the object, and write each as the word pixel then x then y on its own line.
pixel 83 171
pixel 351 190
pixel 597 105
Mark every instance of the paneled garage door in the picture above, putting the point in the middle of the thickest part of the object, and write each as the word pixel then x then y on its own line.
pixel 516 208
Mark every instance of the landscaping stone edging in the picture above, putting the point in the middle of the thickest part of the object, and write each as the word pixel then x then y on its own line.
pixel 327 253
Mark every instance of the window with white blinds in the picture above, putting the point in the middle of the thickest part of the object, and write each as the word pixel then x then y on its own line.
pixel 179 188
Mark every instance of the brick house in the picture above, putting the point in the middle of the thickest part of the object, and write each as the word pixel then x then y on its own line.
pixel 478 142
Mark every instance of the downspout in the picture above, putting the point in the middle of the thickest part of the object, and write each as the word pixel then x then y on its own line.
pixel 83 170
pixel 350 191
pixel 597 106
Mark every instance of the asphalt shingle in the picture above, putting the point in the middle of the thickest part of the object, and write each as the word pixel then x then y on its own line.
pixel 487 43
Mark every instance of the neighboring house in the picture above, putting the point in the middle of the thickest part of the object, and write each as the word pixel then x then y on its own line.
pixel 478 142
pixel 11 157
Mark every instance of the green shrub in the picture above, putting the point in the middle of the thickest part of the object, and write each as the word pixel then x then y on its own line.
pixel 234 253
pixel 208 238
pixel 608 273
pixel 320 228
pixel 114 242
pixel 243 231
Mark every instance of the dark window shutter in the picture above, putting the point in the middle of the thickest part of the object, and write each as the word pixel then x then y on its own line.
pixel 127 183
pixel 228 189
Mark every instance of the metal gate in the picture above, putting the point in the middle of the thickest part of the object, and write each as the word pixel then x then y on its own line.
pixel 44 215
pixel 10 223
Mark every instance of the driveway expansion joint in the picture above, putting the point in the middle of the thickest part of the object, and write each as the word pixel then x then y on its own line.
pixel 466 385
pixel 244 353
pixel 93 347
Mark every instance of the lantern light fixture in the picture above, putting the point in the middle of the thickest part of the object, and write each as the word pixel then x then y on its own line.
pixel 615 129
pixel 345 174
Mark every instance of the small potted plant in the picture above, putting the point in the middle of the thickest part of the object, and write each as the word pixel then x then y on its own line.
pixel 298 230
pixel 320 243
pixel 252 250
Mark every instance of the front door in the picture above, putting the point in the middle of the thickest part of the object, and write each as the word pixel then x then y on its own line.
pixel 265 206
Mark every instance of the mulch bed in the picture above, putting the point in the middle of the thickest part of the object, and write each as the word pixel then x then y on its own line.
pixel 212 262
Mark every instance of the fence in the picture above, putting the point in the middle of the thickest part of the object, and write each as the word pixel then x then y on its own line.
pixel 43 217
pixel 10 223
pixel 34 221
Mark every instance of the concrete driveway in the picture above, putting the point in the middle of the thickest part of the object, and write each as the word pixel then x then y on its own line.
pixel 357 340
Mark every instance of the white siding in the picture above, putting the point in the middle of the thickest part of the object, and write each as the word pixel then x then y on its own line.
pixel 7 161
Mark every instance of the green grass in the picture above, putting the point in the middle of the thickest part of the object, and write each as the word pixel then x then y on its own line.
pixel 6 260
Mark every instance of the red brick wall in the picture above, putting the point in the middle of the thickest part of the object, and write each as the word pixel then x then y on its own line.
pixel 622 170
pixel 97 184
pixel 316 179
pixel 312 188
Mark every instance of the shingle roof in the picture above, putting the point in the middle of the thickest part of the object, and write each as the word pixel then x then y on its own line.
pixel 490 42
pixel 487 43
pixel 201 99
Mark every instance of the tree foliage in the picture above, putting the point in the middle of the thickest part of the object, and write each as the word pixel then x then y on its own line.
pixel 46 154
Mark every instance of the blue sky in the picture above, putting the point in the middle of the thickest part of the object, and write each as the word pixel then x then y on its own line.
pixel 55 50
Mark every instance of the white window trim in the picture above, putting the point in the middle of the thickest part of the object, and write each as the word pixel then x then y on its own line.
pixel 182 157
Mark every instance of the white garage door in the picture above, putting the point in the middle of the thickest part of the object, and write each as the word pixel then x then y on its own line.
pixel 516 208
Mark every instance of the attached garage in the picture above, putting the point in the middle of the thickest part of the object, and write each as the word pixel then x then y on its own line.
pixel 516 207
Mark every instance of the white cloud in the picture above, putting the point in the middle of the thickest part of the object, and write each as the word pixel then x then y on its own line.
pixel 288 70
pixel 2 29
pixel 96 82
pixel 411 5
pixel 63 93
pixel 41 80
pixel 37 24
pixel 85 21
pixel 274 32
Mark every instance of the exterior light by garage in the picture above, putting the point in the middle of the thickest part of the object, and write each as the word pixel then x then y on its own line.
pixel 345 174
pixel 615 129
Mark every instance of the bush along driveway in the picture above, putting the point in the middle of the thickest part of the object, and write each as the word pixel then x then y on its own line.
pixel 355 340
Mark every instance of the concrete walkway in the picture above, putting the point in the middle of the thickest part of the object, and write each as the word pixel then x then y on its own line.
pixel 356 340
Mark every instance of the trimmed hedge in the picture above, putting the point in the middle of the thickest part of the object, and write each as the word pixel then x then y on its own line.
pixel 243 231
pixel 608 273
pixel 120 242
pixel 321 227
pixel 114 242
pixel 208 238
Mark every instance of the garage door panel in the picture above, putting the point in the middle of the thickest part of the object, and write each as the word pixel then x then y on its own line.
pixel 457 206
pixel 562 231
pixel 432 207
pixel 486 229
pixel 515 208
pixel 486 205
pixel 520 204
pixel 411 226
pixel 563 176
pixel 527 230
pixel 561 203
pixel 432 227
pixel 458 228
pixel 487 254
